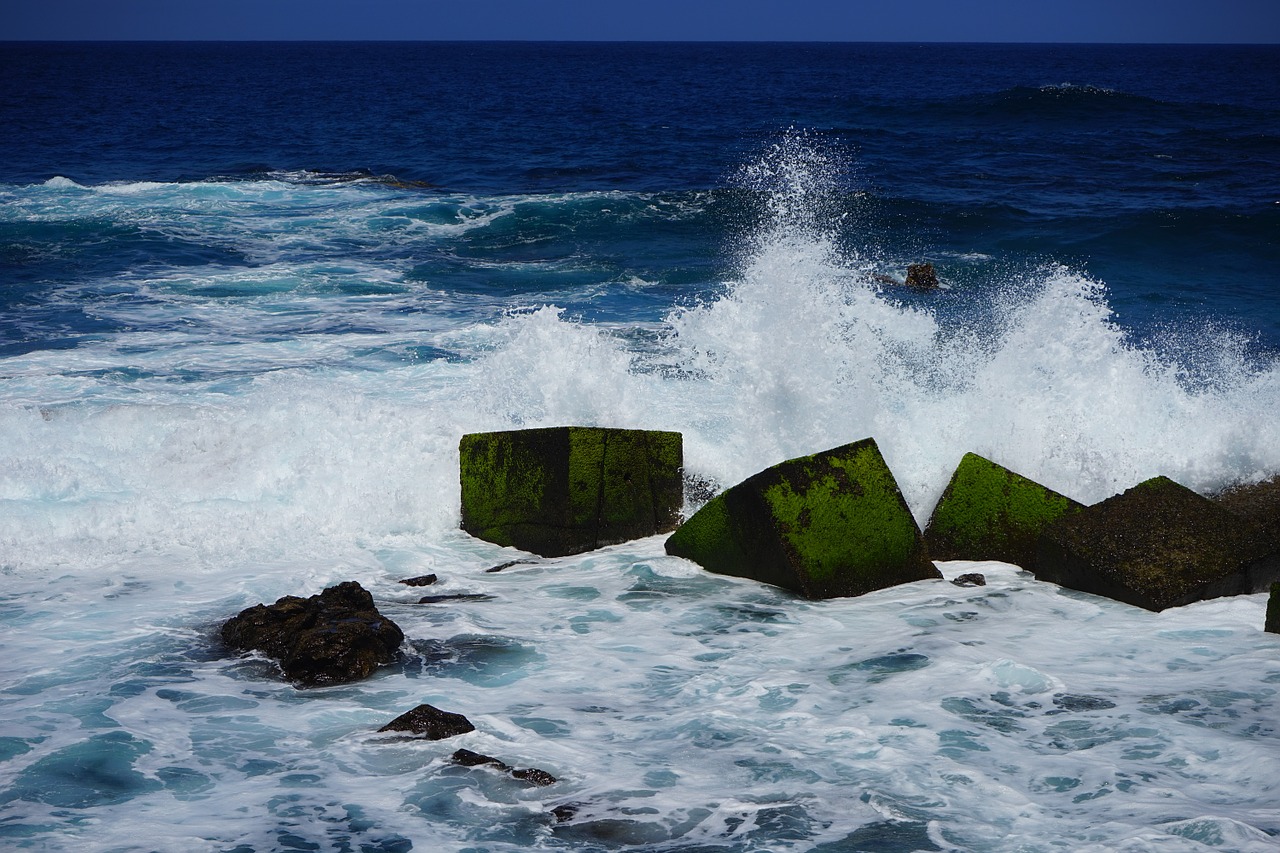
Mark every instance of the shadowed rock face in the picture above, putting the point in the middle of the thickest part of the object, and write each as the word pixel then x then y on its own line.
pixel 565 490
pixel 1158 545
pixel 330 638
pixel 990 513
pixel 1272 624
pixel 827 525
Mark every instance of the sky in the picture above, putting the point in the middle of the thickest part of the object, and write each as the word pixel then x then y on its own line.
pixel 1123 21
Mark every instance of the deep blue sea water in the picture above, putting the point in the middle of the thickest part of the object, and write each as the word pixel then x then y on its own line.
pixel 251 296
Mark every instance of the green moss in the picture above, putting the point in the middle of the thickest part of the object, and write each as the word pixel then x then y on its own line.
pixel 505 481
pixel 710 540
pixel 842 516
pixel 991 513
pixel 564 490
pixel 824 525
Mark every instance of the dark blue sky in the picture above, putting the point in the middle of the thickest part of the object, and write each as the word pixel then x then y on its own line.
pixel 1171 21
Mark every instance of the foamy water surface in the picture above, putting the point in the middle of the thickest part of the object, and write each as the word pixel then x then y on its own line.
pixel 279 418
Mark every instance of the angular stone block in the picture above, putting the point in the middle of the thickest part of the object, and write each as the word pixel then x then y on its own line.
pixel 990 513
pixel 1157 545
pixel 565 490
pixel 832 524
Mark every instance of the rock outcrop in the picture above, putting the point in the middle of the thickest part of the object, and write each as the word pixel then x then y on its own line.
pixel 1272 623
pixel 1157 545
pixel 565 490
pixel 330 638
pixel 990 513
pixel 922 276
pixel 832 524
pixel 430 722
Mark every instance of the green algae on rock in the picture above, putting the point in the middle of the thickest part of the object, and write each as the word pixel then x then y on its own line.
pixel 1157 545
pixel 565 490
pixel 990 513
pixel 828 525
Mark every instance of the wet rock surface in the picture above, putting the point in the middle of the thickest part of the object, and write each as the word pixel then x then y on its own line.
pixel 430 722
pixel 334 637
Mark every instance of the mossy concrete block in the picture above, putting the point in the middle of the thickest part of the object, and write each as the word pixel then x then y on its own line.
pixel 1157 545
pixel 565 490
pixel 1258 502
pixel 990 513
pixel 832 524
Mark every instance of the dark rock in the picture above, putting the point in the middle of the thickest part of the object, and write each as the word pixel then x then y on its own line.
pixel 565 812
pixel 990 513
pixel 330 638
pixel 1158 545
pixel 1258 502
pixel 455 596
pixel 532 775
pixel 508 564
pixel 970 579
pixel 430 721
pixel 1273 610
pixel 827 525
pixel 922 276
pixel 565 490
pixel 420 580
pixel 467 758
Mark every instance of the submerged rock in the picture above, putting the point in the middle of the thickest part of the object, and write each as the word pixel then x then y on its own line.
pixel 1158 545
pixel 420 580
pixel 330 638
pixel 565 490
pixel 532 775
pixel 970 579
pixel 430 722
pixel 827 525
pixel 990 513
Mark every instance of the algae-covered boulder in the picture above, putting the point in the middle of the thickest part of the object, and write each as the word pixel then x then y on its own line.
pixel 827 525
pixel 565 490
pixel 1158 545
pixel 990 513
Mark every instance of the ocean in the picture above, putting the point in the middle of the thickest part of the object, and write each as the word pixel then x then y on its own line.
pixel 252 295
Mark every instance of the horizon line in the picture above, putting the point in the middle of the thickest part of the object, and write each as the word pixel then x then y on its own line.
pixel 255 40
